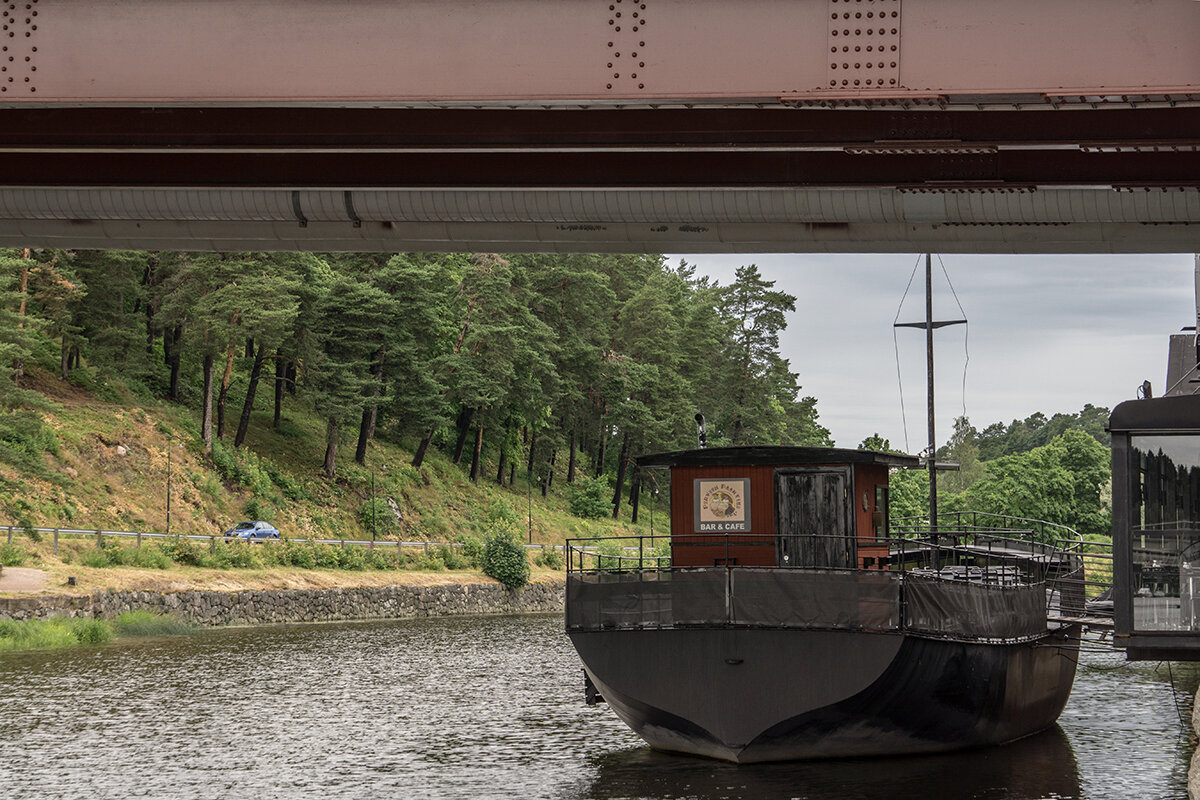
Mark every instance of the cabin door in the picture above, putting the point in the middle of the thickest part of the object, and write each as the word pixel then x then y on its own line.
pixel 813 519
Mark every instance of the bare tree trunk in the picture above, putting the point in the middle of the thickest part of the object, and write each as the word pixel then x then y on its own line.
pixel 291 378
pixel 512 474
pixel 546 484
pixel 600 454
pixel 475 457
pixel 500 468
pixel 366 431
pixel 64 359
pixel 635 491
pixel 621 464
pixel 464 427
pixel 221 395
pixel 331 446
pixel 206 415
pixel 532 451
pixel 360 449
pixel 280 380
pixel 571 461
pixel 251 390
pixel 419 456
pixel 173 346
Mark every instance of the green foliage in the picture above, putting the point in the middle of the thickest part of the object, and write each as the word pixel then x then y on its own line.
pixel 1061 482
pixel 662 554
pixel 590 498
pixel 877 443
pixel 1065 482
pixel 549 558
pixel 377 515
pixel 609 554
pixel 289 554
pixel 1038 430
pixel 241 466
pixel 39 634
pixel 92 631
pixel 471 550
pixel 182 550
pixel 12 555
pixel 256 508
pixel 504 559
pixel 64 632
pixel 24 442
pixel 146 623
pixel 429 564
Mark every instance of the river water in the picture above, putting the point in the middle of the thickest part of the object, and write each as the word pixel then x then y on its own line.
pixel 489 708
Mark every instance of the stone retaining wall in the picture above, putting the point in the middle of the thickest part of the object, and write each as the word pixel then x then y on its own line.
pixel 261 607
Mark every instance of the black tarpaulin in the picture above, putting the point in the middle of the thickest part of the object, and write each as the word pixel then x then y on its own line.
pixel 817 599
pixel 965 610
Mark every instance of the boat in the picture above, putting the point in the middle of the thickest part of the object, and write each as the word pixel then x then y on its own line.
pixel 787 617
pixel 784 619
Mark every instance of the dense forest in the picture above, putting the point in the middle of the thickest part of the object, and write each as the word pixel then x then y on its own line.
pixel 547 367
pixel 552 365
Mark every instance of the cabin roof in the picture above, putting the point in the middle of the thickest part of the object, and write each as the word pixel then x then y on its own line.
pixel 748 456
pixel 1176 413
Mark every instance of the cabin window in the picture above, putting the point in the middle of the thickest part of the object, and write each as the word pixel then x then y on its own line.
pixel 879 518
pixel 1164 522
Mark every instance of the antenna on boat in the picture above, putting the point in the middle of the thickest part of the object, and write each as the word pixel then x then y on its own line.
pixel 930 325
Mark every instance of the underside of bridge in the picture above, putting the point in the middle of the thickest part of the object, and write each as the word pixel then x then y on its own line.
pixel 658 126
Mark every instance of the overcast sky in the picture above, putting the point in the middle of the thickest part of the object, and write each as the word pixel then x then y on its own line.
pixel 1045 333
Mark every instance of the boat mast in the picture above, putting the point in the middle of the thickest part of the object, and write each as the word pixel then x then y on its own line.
pixel 930 325
pixel 933 512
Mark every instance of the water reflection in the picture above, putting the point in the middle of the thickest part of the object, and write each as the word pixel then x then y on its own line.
pixel 1035 767
pixel 487 708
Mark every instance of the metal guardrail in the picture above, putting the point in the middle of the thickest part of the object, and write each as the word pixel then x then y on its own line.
pixel 100 534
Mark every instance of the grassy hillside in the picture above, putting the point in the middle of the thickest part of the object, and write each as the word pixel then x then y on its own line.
pixel 101 462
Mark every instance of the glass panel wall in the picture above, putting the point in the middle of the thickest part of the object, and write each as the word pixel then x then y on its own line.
pixel 1165 532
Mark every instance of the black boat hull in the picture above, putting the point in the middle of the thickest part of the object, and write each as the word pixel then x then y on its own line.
pixel 751 695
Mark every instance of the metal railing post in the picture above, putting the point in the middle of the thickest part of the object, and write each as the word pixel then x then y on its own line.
pixel 99 539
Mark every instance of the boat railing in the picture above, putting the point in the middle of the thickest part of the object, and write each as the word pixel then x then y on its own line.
pixel 1092 580
pixel 981 591
pixel 1041 530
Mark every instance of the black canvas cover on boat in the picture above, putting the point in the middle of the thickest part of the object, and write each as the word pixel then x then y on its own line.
pixel 806 599
pixel 716 596
pixel 647 599
pixel 842 599
pixel 967 610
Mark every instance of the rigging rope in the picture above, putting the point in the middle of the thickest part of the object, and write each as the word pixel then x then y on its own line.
pixel 966 336
pixel 896 345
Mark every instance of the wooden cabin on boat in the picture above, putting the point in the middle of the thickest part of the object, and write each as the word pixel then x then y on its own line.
pixel 779 506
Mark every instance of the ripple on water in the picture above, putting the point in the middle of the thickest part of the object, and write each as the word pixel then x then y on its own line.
pixel 492 708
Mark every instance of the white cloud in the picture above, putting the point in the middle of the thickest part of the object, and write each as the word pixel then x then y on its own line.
pixel 1046 333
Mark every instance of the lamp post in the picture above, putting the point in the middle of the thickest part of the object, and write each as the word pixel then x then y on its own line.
pixel 372 508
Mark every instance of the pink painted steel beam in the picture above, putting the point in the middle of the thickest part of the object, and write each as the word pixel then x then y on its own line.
pixel 586 52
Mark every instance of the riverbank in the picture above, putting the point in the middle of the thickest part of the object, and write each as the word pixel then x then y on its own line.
pixel 269 597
